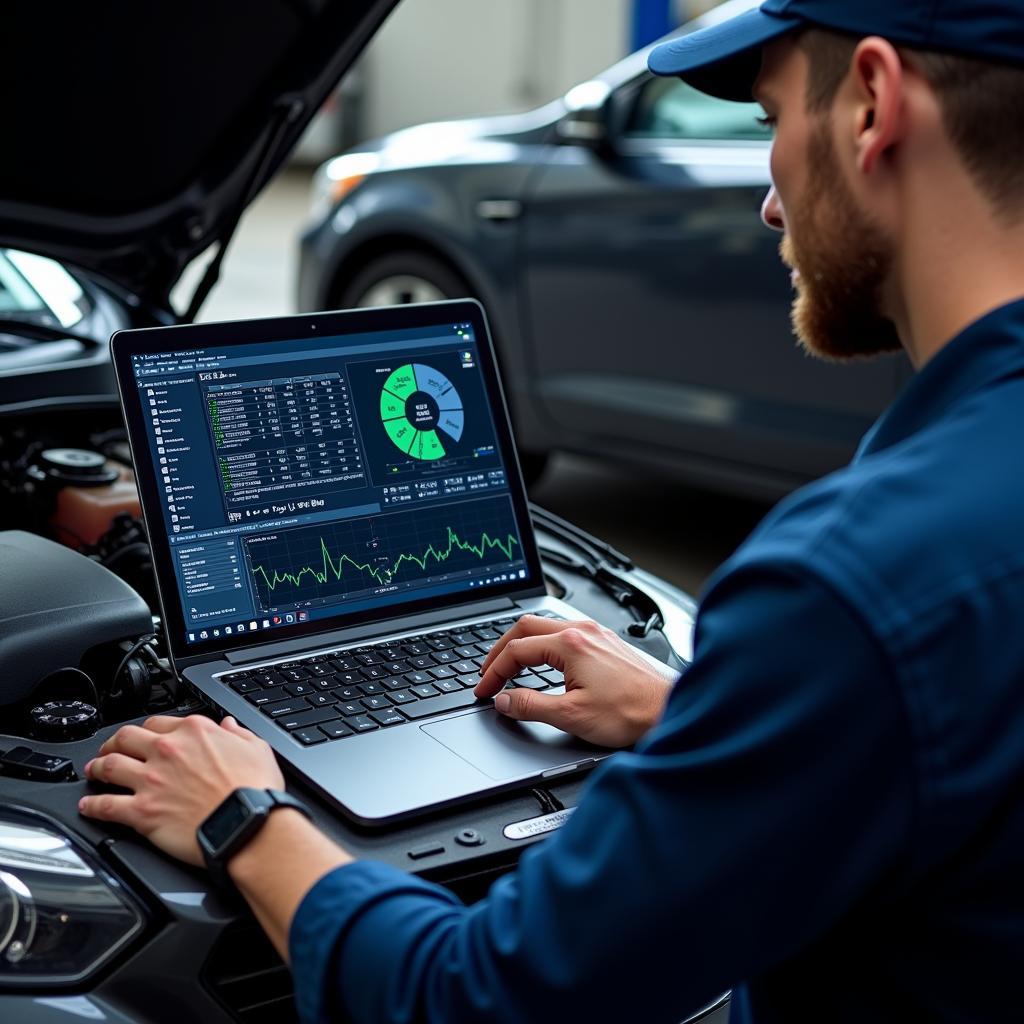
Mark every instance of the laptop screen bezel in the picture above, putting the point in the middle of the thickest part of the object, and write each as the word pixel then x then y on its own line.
pixel 157 340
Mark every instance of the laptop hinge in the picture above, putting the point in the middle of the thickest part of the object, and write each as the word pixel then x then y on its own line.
pixel 367 632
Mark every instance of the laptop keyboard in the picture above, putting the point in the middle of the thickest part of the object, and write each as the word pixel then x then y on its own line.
pixel 344 693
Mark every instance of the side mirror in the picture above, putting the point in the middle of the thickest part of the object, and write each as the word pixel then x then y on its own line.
pixel 585 123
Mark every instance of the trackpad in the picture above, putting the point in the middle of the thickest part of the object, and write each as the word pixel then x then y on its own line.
pixel 504 749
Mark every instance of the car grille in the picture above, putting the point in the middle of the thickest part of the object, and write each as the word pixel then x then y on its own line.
pixel 246 976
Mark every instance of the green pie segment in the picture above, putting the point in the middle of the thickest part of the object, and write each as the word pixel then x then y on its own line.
pixel 398 388
pixel 402 382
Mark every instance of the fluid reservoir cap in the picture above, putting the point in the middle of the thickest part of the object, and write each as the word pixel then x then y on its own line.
pixel 75 467
pixel 59 721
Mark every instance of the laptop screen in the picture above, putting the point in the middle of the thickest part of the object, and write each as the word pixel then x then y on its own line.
pixel 326 478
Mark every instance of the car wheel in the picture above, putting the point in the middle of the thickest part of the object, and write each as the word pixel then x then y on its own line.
pixel 404 277
pixel 401 278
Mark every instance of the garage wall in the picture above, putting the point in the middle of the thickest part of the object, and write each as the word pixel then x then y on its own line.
pixel 457 58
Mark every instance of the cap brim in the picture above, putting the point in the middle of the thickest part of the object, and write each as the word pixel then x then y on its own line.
pixel 722 60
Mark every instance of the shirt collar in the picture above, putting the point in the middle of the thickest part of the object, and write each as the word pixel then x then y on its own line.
pixel 989 350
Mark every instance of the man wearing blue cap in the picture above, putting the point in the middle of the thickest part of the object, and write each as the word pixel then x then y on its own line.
pixel 826 812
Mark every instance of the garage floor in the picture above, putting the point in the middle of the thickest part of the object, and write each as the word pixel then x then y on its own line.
pixel 674 531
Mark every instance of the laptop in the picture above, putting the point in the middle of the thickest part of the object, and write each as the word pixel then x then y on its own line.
pixel 340 533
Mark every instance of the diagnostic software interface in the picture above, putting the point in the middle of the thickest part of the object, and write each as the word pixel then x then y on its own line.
pixel 303 480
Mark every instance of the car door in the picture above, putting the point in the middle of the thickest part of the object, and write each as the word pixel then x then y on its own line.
pixel 658 309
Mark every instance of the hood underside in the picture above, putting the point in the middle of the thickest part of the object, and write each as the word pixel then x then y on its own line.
pixel 135 133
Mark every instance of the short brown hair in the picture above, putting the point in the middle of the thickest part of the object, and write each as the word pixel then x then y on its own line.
pixel 982 108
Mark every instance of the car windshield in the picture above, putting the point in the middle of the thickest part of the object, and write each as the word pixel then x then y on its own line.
pixel 39 290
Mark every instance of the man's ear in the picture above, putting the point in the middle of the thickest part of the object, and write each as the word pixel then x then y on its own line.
pixel 877 74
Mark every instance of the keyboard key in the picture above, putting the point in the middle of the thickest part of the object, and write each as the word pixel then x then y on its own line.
pixel 440 643
pixel 389 717
pixel 417 677
pixel 531 682
pixel 401 696
pixel 368 658
pixel 327 683
pixel 266 678
pixel 469 651
pixel 294 675
pixel 319 671
pixel 245 685
pixel 449 685
pixel 414 649
pixel 374 672
pixel 349 678
pixel 395 683
pixel 277 708
pixel 485 634
pixel 299 689
pixel 552 675
pixel 371 689
pixel 311 716
pixel 335 730
pixel 462 639
pixel 376 703
pixel 360 723
pixel 424 661
pixel 443 672
pixel 444 657
pixel 343 664
pixel 396 668
pixel 426 690
pixel 485 648
pixel 322 700
pixel 469 680
pixel 261 697
pixel 441 703
pixel 307 737
pixel 465 666
pixel 233 677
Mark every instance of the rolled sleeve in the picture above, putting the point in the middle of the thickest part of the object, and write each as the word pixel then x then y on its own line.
pixel 773 795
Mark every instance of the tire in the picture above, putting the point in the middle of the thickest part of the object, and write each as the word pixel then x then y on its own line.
pixel 399 278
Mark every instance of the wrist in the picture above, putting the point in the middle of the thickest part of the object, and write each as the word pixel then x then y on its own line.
pixel 282 827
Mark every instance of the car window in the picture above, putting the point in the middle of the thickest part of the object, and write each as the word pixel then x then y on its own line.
pixel 37 288
pixel 667 108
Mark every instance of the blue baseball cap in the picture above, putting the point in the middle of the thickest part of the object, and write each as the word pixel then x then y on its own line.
pixel 724 60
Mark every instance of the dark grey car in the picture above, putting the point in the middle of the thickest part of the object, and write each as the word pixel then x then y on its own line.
pixel 638 304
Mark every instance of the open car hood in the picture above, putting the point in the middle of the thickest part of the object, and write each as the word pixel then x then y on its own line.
pixel 136 133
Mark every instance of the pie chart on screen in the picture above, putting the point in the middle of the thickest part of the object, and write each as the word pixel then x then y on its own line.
pixel 421 411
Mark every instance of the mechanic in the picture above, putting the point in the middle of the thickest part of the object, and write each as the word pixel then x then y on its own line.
pixel 825 813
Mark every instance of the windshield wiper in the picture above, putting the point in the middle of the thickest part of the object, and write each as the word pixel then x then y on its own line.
pixel 25 333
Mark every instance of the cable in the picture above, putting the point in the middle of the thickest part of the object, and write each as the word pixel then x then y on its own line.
pixel 134 649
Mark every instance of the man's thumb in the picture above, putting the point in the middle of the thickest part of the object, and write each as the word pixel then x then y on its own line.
pixel 530 706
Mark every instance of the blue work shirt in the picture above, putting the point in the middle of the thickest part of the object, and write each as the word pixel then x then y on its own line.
pixel 829 817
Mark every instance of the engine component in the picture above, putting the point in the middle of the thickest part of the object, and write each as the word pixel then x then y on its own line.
pixel 55 607
pixel 60 721
pixel 85 491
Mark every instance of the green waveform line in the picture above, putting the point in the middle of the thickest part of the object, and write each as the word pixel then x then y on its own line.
pixel 386 575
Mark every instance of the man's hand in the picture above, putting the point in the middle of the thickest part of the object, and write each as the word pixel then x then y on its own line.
pixel 612 695
pixel 179 770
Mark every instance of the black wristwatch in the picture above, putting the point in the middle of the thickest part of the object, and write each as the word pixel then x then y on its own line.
pixel 238 818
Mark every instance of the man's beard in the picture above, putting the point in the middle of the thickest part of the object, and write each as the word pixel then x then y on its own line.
pixel 843 260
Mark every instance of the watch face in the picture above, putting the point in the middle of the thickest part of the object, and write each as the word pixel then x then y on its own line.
pixel 222 825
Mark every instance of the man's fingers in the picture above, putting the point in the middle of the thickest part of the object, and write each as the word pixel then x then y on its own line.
pixel 517 654
pixel 530 706
pixel 110 807
pixel 130 739
pixel 117 769
pixel 528 625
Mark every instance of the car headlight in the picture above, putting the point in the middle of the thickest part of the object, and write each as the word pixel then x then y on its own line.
pixel 62 916
pixel 336 178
